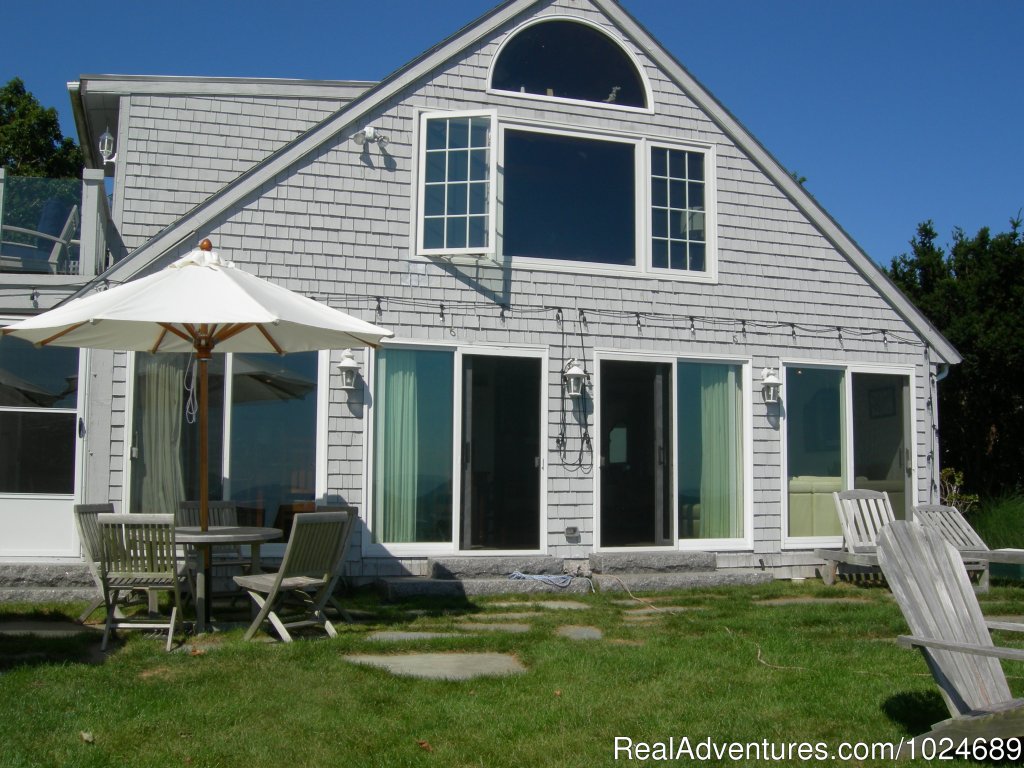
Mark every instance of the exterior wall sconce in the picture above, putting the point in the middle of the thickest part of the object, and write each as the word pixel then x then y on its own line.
pixel 107 147
pixel 573 378
pixel 349 370
pixel 771 386
pixel 369 135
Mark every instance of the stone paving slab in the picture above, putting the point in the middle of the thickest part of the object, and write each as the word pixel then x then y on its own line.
pixel 573 632
pixel 502 616
pixel 660 610
pixel 776 601
pixel 511 628
pixel 444 666
pixel 563 605
pixel 389 636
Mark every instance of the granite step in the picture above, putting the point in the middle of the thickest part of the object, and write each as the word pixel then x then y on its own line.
pixel 415 586
pixel 492 567
pixel 37 595
pixel 652 562
pixel 45 575
pixel 660 582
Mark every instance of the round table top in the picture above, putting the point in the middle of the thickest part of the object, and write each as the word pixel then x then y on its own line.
pixel 225 534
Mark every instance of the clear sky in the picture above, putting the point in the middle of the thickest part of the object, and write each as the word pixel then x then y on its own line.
pixel 896 111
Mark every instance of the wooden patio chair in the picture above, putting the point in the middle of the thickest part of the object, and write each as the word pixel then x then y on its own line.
pixel 862 514
pixel 139 553
pixel 309 571
pixel 957 531
pixel 930 582
pixel 88 524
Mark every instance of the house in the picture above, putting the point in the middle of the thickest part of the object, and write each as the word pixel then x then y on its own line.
pixel 621 325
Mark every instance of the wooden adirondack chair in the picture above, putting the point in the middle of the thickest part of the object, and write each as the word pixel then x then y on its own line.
pixel 309 570
pixel 862 514
pixel 957 531
pixel 929 581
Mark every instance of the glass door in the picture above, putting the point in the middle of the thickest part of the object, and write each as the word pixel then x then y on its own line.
pixel 881 437
pixel 635 450
pixel 501 453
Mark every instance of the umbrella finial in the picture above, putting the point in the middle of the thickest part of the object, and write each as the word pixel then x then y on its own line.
pixel 206 245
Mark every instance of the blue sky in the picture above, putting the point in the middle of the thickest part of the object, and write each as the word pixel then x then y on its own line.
pixel 896 111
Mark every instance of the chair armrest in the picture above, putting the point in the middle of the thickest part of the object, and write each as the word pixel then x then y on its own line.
pixel 1006 626
pixel 1013 654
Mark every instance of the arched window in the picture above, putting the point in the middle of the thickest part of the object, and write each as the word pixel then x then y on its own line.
pixel 570 61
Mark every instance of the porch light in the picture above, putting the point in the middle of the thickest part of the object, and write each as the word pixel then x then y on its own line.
pixel 349 369
pixel 369 135
pixel 573 378
pixel 771 386
pixel 106 146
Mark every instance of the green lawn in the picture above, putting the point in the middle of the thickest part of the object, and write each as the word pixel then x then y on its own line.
pixel 733 668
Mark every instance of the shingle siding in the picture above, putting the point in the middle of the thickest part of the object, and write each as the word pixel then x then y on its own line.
pixel 338 227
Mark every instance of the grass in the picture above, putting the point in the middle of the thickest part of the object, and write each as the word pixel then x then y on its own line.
pixel 730 668
pixel 1000 521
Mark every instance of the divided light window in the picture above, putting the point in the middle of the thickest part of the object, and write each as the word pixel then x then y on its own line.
pixel 456 184
pixel 678 236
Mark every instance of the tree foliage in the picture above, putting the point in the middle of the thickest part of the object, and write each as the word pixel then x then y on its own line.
pixel 974 294
pixel 31 143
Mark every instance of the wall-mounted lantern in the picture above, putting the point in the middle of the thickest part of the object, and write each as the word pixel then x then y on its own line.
pixel 107 146
pixel 771 386
pixel 573 378
pixel 348 369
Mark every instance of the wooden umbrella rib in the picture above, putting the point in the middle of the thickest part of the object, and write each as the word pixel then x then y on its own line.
pixel 228 331
pixel 56 336
pixel 270 339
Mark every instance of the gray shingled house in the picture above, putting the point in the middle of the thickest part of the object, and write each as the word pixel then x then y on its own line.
pixel 594 274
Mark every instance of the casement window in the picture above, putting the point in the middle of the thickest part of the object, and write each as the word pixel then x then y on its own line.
pixel 456 185
pixel 38 413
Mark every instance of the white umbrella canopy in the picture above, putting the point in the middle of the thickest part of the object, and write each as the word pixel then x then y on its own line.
pixel 199 304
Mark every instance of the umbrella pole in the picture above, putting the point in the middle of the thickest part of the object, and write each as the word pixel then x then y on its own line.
pixel 203 359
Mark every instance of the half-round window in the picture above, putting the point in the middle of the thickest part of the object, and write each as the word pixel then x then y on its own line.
pixel 569 61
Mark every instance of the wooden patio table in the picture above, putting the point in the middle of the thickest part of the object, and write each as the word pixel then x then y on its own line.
pixel 221 534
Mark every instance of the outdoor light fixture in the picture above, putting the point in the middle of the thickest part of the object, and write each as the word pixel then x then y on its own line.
pixel 369 135
pixel 573 378
pixel 107 146
pixel 349 369
pixel 771 385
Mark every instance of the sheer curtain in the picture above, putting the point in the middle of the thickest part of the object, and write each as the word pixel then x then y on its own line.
pixel 721 455
pixel 396 448
pixel 158 418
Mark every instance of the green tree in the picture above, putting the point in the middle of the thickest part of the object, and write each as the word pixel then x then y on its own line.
pixel 31 143
pixel 974 294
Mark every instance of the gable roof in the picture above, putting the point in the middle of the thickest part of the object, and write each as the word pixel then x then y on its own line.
pixel 348 119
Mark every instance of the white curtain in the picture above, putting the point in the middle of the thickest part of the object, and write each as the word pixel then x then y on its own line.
pixel 159 380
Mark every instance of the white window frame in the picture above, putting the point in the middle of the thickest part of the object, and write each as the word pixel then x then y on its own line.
pixel 373 548
pixel 739 544
pixel 642 206
pixel 421 181
pixel 644 79
pixel 847 369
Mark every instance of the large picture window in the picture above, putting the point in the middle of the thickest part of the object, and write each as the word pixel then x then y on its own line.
pixel 569 198
pixel 38 401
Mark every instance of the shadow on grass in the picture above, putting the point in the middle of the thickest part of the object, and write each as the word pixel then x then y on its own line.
pixel 44 637
pixel 916 711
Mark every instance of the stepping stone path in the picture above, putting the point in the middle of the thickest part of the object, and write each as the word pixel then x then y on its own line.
pixel 563 605
pixel 637 613
pixel 444 666
pixel 502 616
pixel 579 633
pixel 398 637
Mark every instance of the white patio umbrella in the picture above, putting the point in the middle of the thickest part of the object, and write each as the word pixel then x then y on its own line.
pixel 199 304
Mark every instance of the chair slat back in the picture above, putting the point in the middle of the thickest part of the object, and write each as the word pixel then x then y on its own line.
pixel 929 581
pixel 316 545
pixel 87 520
pixel 952 525
pixel 221 513
pixel 862 514
pixel 138 545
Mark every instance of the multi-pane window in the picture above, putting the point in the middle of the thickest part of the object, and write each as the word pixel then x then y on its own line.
pixel 678 236
pixel 456 184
